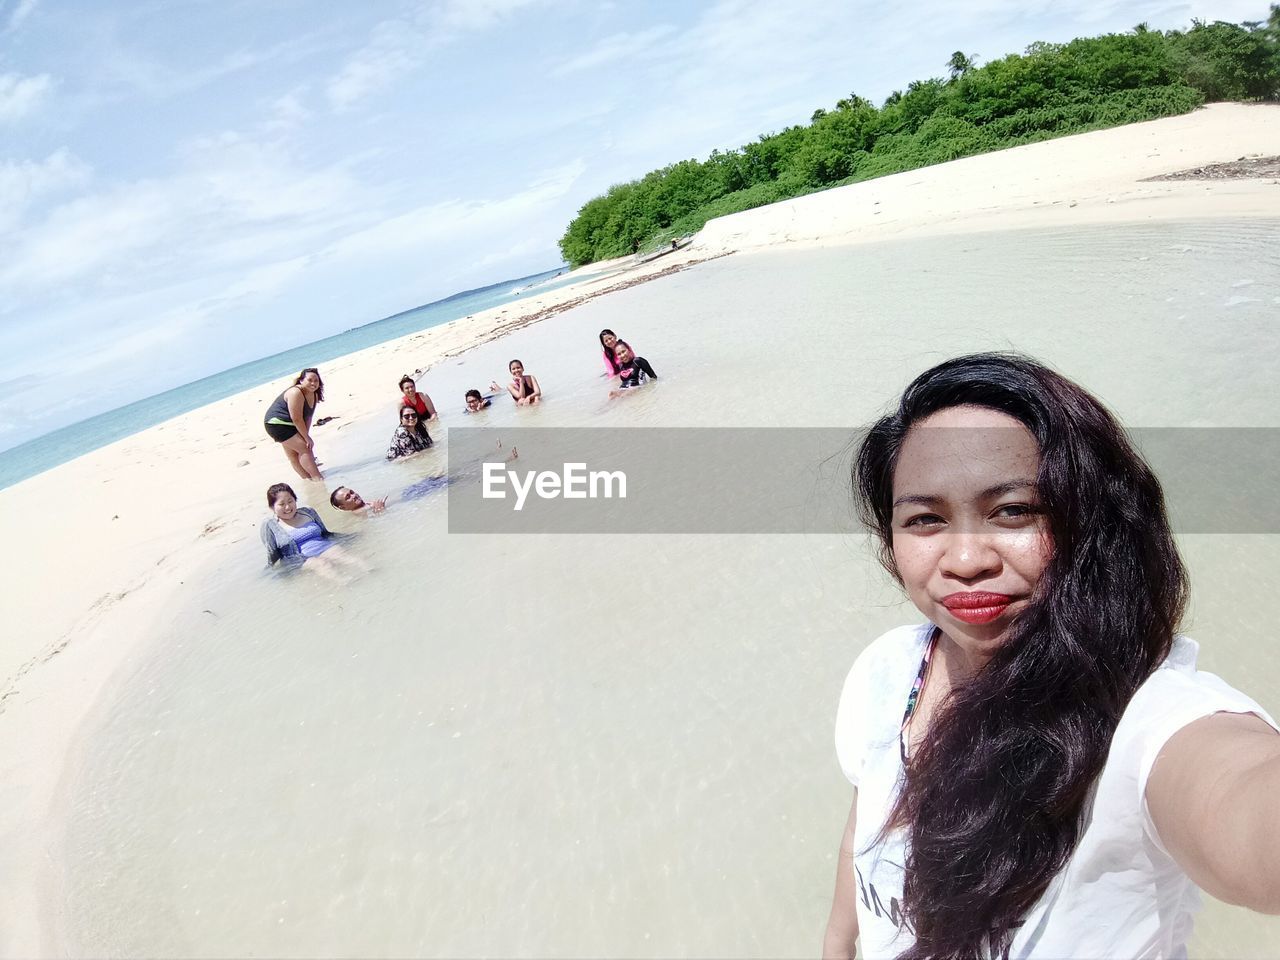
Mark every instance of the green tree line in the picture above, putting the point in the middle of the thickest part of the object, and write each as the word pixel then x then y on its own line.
pixel 1051 90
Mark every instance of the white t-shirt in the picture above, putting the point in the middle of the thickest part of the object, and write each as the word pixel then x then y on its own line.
pixel 1120 895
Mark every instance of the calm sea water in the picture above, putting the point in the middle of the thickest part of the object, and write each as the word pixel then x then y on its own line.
pixel 43 453
pixel 539 745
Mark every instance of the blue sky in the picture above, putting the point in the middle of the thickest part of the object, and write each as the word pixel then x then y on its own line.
pixel 186 185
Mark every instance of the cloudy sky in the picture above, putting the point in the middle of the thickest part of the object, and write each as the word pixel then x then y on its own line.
pixel 186 185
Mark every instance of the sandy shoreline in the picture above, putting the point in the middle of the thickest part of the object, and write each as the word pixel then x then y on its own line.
pixel 110 538
pixel 1091 178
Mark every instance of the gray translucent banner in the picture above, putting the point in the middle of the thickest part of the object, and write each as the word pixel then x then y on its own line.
pixel 784 480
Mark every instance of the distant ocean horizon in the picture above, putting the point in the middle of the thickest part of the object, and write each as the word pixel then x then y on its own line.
pixel 59 446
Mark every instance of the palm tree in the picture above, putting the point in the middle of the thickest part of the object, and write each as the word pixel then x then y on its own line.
pixel 959 65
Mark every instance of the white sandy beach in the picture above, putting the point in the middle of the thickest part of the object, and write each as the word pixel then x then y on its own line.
pixel 110 541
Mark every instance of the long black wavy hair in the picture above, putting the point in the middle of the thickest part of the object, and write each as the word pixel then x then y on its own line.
pixel 305 371
pixel 992 802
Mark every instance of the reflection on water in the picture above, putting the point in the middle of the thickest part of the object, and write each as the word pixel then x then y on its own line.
pixel 550 745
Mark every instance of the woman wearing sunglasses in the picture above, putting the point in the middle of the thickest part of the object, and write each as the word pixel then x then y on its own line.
pixel 408 438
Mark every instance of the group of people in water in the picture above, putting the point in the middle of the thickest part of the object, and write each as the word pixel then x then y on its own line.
pixel 1039 768
pixel 288 422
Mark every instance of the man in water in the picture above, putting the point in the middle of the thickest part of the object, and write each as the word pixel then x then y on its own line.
pixel 344 498
pixel 476 401
pixel 347 500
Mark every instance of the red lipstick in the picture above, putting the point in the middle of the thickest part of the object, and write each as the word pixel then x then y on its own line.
pixel 976 606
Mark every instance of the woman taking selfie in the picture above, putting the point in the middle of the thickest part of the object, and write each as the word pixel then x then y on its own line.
pixel 1040 770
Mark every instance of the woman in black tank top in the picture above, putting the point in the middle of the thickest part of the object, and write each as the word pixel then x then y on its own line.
pixel 288 422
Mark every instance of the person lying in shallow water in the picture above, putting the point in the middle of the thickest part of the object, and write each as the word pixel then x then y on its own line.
pixel 344 498
pixel 296 537
pixel 477 401
pixel 347 500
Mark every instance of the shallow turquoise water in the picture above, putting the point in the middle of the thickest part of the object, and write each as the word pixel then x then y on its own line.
pixel 48 451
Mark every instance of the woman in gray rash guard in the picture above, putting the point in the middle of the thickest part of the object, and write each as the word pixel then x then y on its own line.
pixel 296 537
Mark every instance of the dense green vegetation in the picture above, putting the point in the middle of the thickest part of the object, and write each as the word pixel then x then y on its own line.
pixel 1051 90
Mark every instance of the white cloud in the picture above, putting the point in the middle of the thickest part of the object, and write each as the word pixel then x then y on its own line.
pixel 336 215
pixel 399 47
pixel 233 202
pixel 395 48
pixel 115 347
pixel 288 113
pixel 268 281
pixel 125 66
pixel 611 50
pixel 131 346
pixel 21 95
pixel 521 250
pixel 119 335
pixel 20 13
pixel 23 182
pixel 454 219
pixel 477 14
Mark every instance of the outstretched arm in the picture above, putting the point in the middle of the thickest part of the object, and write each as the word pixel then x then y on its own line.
pixel 1212 794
